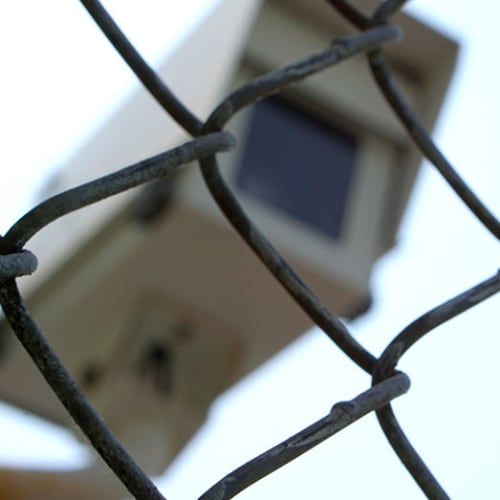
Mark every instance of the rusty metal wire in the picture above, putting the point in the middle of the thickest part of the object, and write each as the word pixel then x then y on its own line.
pixel 209 139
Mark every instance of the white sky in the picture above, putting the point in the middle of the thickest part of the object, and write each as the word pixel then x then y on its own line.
pixel 452 410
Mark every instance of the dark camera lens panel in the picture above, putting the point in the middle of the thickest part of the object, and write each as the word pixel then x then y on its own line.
pixel 298 165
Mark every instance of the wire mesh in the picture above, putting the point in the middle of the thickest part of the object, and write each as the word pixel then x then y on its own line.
pixel 209 139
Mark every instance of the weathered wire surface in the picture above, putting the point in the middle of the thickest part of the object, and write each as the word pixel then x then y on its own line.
pixel 209 138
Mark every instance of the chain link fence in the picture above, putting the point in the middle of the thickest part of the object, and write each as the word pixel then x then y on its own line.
pixel 210 139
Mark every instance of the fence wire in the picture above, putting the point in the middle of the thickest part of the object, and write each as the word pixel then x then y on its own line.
pixel 209 139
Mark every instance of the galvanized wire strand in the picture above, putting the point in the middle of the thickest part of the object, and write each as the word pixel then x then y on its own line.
pixel 408 455
pixel 277 265
pixel 340 49
pixel 149 78
pixel 426 145
pixel 71 396
pixel 341 415
pixel 161 165
pixel 387 362
pixel 431 320
pixel 259 88
pixel 359 19
pixel 408 117
pixel 389 359
pixel 351 13
pixel 17 264
pixel 385 10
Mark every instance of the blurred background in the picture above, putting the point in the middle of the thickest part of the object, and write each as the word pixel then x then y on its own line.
pixel 61 82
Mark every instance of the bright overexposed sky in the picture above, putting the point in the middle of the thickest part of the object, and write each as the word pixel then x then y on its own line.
pixel 60 80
